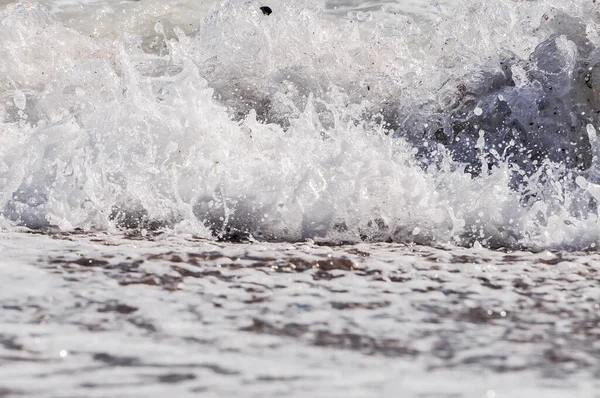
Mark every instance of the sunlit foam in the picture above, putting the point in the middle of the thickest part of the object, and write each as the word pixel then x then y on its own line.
pixel 294 126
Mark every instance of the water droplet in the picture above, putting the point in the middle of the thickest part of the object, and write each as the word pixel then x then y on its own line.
pixel 581 181
pixel 591 131
pixel 478 111
pixel 481 140
pixel 63 353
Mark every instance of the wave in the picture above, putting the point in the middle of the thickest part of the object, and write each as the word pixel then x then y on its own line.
pixel 475 125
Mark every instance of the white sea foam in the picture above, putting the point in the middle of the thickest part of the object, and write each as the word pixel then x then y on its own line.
pixel 276 126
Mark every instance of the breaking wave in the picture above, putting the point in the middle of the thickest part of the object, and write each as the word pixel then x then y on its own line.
pixel 475 125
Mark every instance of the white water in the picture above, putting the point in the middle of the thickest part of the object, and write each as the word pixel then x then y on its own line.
pixel 149 111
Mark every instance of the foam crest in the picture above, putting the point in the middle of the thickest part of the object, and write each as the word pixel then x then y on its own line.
pixel 294 126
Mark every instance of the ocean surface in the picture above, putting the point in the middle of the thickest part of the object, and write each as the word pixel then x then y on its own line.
pixel 343 198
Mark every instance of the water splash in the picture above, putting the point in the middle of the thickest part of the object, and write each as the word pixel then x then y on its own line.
pixel 293 126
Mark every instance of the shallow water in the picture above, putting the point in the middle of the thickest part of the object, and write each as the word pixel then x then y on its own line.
pixel 366 156
pixel 104 315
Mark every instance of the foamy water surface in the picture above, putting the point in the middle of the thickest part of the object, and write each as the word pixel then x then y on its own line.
pixel 102 315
